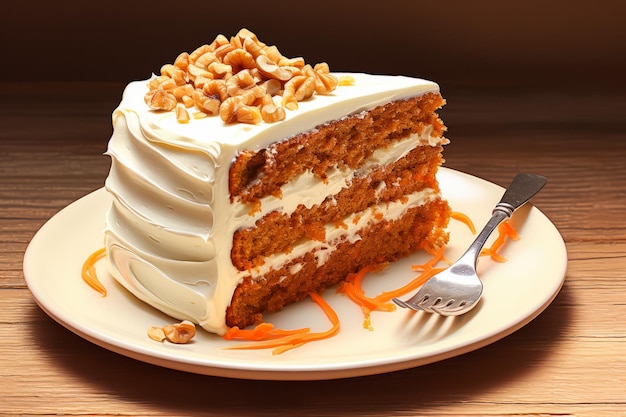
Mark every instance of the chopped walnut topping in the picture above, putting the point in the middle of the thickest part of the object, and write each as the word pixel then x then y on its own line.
pixel 239 59
pixel 206 104
pixel 160 100
pixel 248 114
pixel 181 113
pixel 271 113
pixel 297 89
pixel 232 77
pixel 346 80
pixel 271 70
pixel 181 91
pixel 239 83
pixel 324 81
pixel 182 61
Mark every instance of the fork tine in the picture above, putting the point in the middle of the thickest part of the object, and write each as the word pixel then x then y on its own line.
pixel 443 309
pixel 429 303
pixel 402 303
pixel 407 304
pixel 453 308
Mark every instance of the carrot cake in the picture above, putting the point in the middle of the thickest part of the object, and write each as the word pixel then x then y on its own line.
pixel 242 180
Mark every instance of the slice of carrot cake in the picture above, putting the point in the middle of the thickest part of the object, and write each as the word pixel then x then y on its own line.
pixel 242 180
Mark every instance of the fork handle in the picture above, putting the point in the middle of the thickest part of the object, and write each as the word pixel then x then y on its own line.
pixel 522 188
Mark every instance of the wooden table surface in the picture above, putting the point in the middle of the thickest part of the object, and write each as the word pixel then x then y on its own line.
pixel 571 360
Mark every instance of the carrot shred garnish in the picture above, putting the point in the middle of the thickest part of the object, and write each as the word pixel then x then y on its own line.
pixel 263 331
pixel 356 294
pixel 88 271
pixel 434 260
pixel 300 337
pixel 509 230
pixel 413 285
pixel 463 218
pixel 496 257
pixel 505 230
pixel 352 287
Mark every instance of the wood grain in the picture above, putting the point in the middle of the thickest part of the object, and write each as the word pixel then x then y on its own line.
pixel 570 361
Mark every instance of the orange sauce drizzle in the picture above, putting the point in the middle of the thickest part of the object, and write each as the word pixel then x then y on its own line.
pixel 89 274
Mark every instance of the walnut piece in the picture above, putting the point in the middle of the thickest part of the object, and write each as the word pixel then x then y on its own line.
pixel 271 69
pixel 156 333
pixel 345 80
pixel 324 81
pixel 206 104
pixel 248 114
pixel 178 333
pixel 160 100
pixel 181 113
pixel 239 58
pixel 297 89
pixel 271 113
pixel 239 83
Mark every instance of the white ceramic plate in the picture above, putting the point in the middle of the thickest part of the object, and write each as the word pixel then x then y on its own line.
pixel 515 293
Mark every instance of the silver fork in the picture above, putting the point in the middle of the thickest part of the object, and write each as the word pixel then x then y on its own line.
pixel 458 289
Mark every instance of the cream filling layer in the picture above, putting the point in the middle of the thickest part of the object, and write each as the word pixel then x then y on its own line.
pixel 337 234
pixel 308 190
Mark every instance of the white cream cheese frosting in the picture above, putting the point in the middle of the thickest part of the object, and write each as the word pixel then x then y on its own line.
pixel 169 229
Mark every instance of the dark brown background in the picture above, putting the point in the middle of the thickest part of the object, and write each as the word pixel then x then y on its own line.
pixel 533 86
pixel 455 43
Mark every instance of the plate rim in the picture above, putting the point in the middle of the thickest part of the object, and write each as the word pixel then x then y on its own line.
pixel 265 371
